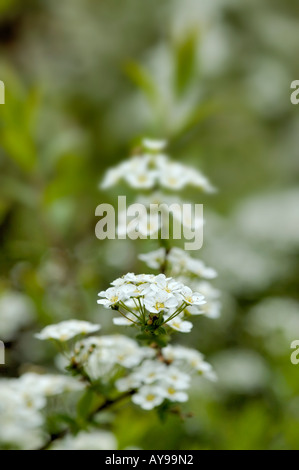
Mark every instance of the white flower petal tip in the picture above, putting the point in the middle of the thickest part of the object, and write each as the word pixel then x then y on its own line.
pixel 155 145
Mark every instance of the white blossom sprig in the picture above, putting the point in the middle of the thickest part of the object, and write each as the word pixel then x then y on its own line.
pixel 154 169
pixel 151 302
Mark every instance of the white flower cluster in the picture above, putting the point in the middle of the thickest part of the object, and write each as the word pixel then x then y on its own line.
pixel 178 263
pixel 67 330
pixel 152 378
pixel 158 381
pixel 146 299
pixel 152 375
pixel 102 356
pixel 22 402
pixel 154 169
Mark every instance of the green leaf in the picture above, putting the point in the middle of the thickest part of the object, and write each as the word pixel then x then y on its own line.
pixel 140 77
pixel 185 62
pixel 161 330
pixel 85 405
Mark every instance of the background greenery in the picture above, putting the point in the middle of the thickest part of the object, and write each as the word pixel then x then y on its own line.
pixel 84 80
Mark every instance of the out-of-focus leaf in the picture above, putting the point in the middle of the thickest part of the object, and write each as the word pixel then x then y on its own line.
pixel 85 404
pixel 142 79
pixel 17 120
pixel 185 62
pixel 19 147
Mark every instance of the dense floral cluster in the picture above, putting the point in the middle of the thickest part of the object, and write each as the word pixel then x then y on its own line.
pixel 152 302
pixel 157 381
pixel 153 169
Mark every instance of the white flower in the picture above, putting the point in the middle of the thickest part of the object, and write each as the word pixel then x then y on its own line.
pixel 154 144
pixel 67 330
pixel 177 379
pixel 180 325
pixel 183 263
pixel 172 394
pixel 191 298
pixel 166 284
pixel 32 396
pixel 127 383
pixel 148 397
pixel 160 301
pixel 114 295
pixel 198 268
pixel 154 259
pixel 189 359
pixel 205 369
pixel 141 179
pixel 174 176
pixel 149 372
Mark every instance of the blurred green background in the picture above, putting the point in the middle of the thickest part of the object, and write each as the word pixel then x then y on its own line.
pixel 84 80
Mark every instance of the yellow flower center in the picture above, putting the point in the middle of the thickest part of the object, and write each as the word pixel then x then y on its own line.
pixel 142 178
pixel 159 305
pixel 172 181
pixel 171 391
pixel 150 397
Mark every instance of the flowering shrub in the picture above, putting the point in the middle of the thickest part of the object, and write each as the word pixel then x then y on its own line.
pixel 104 370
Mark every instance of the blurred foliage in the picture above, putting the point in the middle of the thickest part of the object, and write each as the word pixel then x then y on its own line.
pixel 84 80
